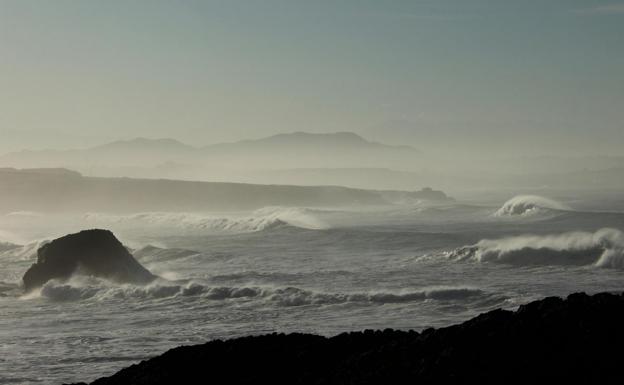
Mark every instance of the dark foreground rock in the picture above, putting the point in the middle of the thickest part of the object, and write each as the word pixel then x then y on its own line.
pixel 556 341
pixel 91 252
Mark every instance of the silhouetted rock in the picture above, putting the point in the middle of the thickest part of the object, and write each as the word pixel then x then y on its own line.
pixel 91 252
pixel 556 341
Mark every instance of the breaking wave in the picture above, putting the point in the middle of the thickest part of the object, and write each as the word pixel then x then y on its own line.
pixel 14 253
pixel 262 219
pixel 603 248
pixel 525 205
pixel 82 288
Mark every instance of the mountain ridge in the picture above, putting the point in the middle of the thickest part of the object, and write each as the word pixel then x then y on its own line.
pixel 303 149
pixel 295 137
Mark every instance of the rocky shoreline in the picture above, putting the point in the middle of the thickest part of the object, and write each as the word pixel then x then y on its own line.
pixel 571 340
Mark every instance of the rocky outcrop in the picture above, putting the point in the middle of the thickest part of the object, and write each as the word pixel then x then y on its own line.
pixel 554 340
pixel 90 252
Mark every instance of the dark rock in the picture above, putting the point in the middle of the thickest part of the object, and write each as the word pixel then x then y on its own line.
pixel 91 252
pixel 576 340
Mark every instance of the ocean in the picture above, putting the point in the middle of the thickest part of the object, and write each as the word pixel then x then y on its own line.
pixel 293 269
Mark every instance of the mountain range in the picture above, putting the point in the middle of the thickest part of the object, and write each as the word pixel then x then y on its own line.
pixel 340 158
pixel 340 149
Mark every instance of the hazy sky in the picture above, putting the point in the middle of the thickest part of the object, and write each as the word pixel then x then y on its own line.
pixel 513 76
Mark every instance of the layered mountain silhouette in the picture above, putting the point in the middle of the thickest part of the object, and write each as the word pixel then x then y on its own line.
pixel 300 149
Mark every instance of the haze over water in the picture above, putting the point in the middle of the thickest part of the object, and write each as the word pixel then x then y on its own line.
pixel 314 167
pixel 293 269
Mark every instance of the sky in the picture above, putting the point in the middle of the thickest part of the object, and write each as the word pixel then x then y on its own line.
pixel 519 77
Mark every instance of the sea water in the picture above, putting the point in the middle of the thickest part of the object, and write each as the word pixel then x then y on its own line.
pixel 285 269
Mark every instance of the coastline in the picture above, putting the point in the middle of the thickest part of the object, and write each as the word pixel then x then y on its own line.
pixel 551 339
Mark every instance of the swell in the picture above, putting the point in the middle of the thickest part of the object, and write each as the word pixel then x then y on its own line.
pixel 254 276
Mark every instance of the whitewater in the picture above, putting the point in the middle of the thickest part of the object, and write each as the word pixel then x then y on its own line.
pixel 287 269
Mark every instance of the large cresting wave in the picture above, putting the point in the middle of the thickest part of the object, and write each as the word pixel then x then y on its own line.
pixel 526 205
pixel 603 248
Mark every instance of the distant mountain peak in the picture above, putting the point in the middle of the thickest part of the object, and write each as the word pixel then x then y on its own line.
pixel 302 138
pixel 141 142
pixel 302 135
pixel 53 171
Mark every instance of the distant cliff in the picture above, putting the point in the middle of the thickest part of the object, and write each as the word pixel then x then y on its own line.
pixel 58 190
pixel 554 341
